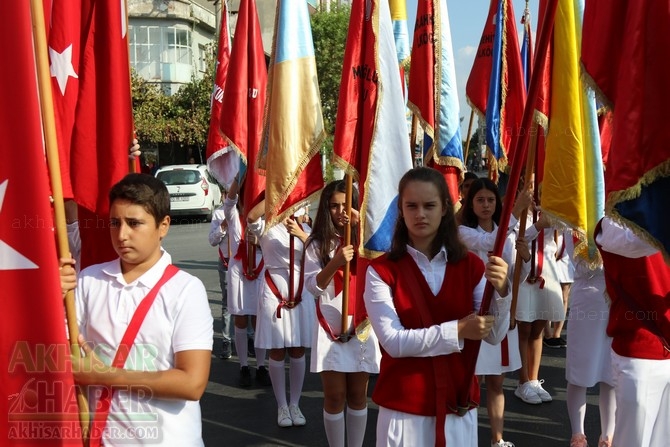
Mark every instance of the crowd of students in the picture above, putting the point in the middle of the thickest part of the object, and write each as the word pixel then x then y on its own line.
pixel 412 318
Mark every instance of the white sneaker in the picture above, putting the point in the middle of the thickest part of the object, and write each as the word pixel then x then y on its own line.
pixel 527 393
pixel 284 417
pixel 296 415
pixel 537 386
pixel 502 443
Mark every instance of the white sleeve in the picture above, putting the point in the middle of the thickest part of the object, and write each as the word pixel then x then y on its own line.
pixel 477 240
pixel 312 268
pixel 74 241
pixel 216 234
pixel 257 227
pixel 500 309
pixel 193 327
pixel 622 241
pixel 436 340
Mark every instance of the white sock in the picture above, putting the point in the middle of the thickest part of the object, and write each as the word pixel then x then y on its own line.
pixel 260 357
pixel 576 407
pixel 356 422
pixel 296 378
pixel 607 404
pixel 334 425
pixel 278 378
pixel 241 345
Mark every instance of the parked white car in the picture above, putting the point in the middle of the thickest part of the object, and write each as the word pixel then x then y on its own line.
pixel 193 191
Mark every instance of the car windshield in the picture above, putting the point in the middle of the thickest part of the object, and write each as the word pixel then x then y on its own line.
pixel 179 177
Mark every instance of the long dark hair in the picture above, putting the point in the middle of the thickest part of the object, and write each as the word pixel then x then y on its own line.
pixel 323 230
pixel 468 216
pixel 447 233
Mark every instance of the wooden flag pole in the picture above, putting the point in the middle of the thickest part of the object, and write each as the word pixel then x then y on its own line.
pixel 347 266
pixel 467 140
pixel 53 163
pixel 530 167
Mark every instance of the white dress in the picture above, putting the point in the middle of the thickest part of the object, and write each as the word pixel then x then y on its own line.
pixel 242 293
pixel 566 268
pixel 480 242
pixel 296 326
pixel 588 358
pixel 542 299
pixel 328 355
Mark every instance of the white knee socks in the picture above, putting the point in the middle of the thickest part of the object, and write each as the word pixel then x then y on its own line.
pixel 356 422
pixel 334 425
pixel 278 378
pixel 576 407
pixel 607 404
pixel 241 345
pixel 296 378
pixel 260 357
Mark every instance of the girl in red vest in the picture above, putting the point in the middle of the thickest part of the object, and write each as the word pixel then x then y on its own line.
pixel 421 299
pixel 343 359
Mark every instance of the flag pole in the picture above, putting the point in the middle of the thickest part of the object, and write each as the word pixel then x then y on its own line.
pixel 53 163
pixel 522 143
pixel 347 266
pixel 467 140
pixel 530 165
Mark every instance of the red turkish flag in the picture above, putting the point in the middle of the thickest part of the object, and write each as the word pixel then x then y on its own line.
pixel 222 161
pixel 103 122
pixel 64 39
pixel 244 99
pixel 38 401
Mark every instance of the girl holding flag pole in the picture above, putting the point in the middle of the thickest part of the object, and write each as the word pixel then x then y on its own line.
pixel 285 312
pixel 423 312
pixel 343 360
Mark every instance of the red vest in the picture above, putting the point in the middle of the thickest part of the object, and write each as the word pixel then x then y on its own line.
pixel 645 281
pixel 410 384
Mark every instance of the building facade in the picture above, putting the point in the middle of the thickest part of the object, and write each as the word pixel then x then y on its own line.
pixel 170 39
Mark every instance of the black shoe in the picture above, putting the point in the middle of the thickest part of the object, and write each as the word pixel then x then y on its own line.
pixel 262 376
pixel 226 351
pixel 245 377
pixel 250 347
pixel 554 343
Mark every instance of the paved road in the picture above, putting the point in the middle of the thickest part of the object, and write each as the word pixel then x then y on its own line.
pixel 247 417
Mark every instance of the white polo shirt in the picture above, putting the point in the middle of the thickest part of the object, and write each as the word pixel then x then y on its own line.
pixel 179 320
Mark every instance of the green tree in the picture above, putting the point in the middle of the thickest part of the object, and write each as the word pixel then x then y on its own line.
pixel 329 31
pixel 178 122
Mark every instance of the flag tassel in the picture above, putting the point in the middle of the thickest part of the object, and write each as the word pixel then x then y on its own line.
pixel 53 163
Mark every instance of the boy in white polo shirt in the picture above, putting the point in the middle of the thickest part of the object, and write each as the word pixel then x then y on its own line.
pixel 156 386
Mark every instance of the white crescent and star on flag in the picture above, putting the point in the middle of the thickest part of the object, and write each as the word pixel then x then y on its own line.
pixel 10 259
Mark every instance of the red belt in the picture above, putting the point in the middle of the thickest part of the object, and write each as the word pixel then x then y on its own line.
pixel 283 302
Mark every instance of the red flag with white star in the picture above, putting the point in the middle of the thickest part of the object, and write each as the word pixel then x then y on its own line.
pixel 103 122
pixel 37 399
pixel 64 36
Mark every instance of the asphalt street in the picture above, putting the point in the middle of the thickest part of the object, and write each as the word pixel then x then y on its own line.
pixel 233 416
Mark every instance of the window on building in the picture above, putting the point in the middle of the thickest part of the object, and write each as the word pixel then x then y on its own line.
pixel 153 47
pixel 202 57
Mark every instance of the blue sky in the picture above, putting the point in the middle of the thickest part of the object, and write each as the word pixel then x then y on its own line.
pixel 466 18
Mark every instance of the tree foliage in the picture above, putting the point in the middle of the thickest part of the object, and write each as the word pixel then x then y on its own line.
pixel 329 31
pixel 180 120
